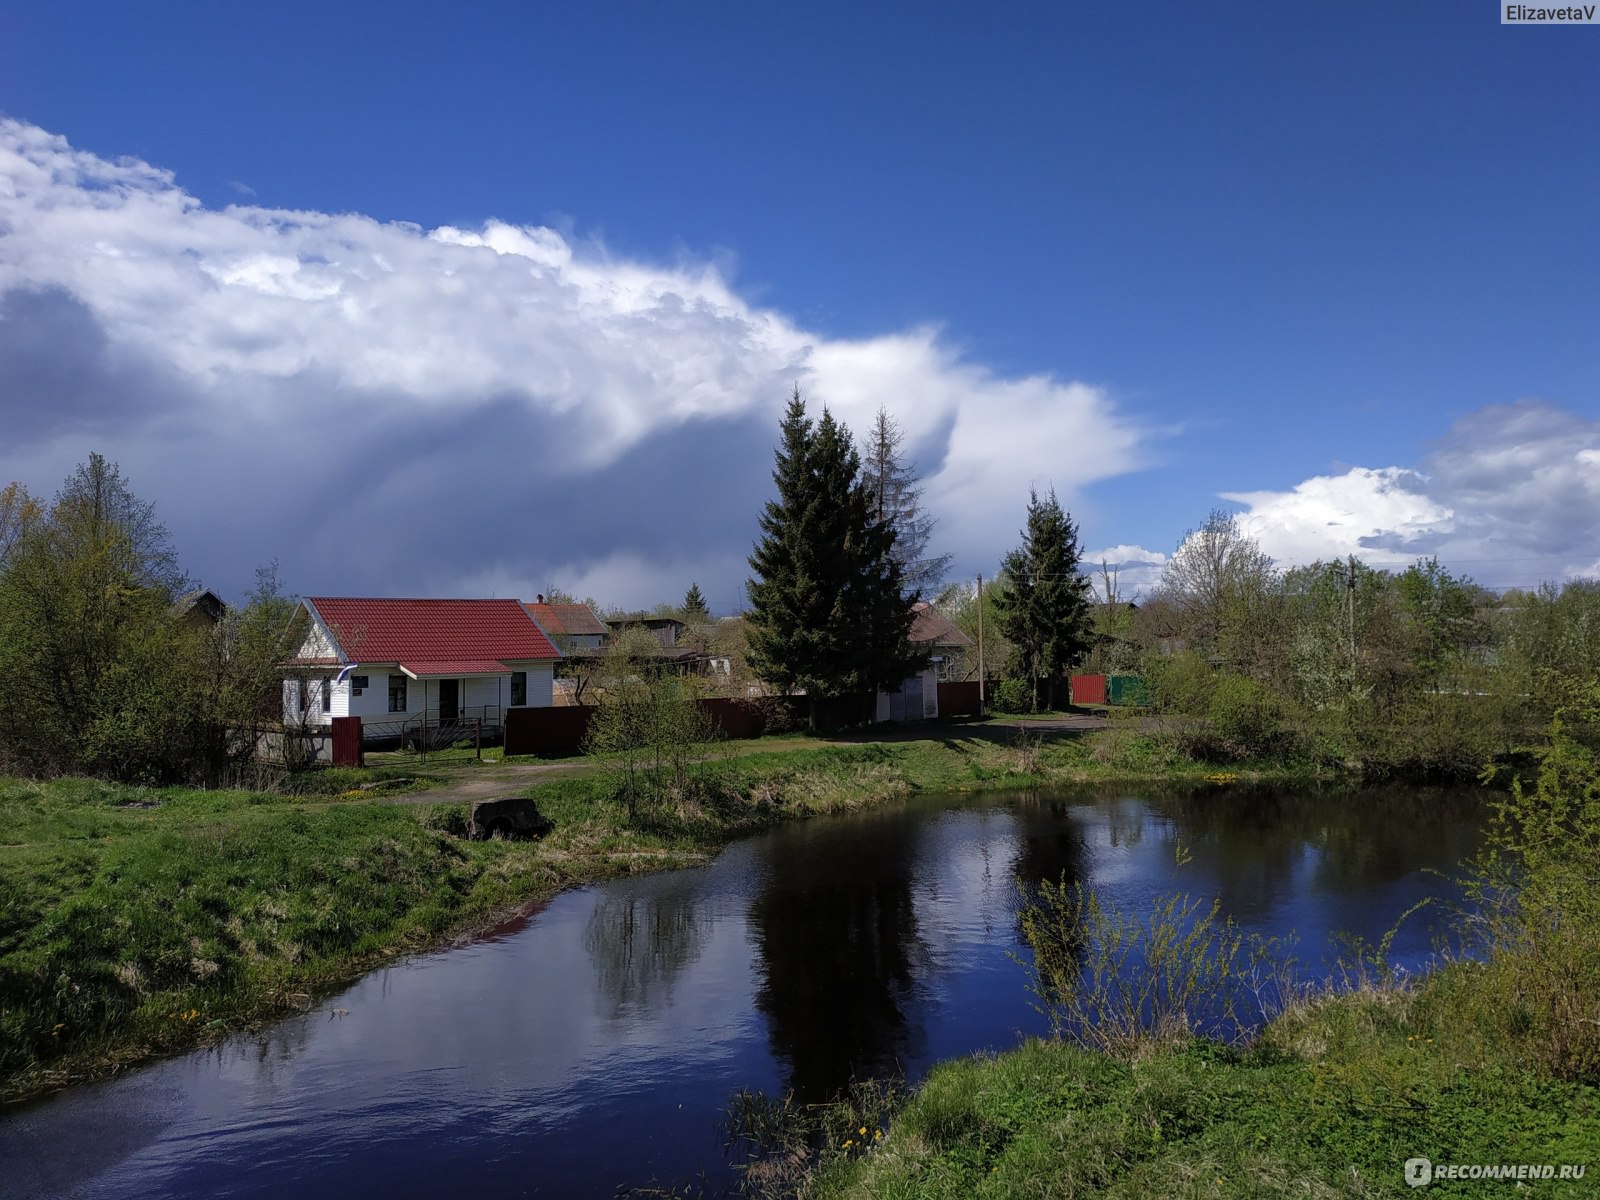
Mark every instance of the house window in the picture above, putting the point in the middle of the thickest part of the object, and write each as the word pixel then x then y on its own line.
pixel 358 684
pixel 397 694
pixel 327 696
pixel 519 687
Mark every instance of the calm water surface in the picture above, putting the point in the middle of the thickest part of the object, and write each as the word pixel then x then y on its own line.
pixel 594 1044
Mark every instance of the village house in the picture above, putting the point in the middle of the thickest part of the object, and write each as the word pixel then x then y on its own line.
pixel 399 663
pixel 917 698
pixel 573 627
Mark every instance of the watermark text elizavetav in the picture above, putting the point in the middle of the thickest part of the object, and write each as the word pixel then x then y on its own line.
pixel 1536 14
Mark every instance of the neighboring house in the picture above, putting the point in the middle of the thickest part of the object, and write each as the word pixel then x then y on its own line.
pixel 917 699
pixel 665 630
pixel 573 627
pixel 392 662
pixel 199 609
pixel 668 633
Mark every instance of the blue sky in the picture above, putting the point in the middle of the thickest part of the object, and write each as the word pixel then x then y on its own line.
pixel 1337 267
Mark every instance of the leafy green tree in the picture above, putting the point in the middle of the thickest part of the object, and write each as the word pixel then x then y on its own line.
pixel 959 603
pixel 83 585
pixel 103 673
pixel 1043 601
pixel 892 483
pixel 19 511
pixel 828 610
pixel 1445 617
pixel 1217 572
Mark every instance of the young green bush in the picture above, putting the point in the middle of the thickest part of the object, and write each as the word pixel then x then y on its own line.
pixel 1180 684
pixel 1012 696
pixel 1536 889
pixel 1114 982
pixel 1246 720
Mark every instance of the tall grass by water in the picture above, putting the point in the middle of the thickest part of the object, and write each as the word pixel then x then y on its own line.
pixel 1147 1089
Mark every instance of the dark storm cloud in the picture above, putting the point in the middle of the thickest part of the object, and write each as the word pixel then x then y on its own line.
pixel 60 375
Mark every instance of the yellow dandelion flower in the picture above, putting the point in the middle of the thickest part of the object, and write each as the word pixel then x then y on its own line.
pixel 862 1131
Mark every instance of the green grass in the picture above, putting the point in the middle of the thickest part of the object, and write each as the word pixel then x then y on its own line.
pixel 1332 1102
pixel 128 930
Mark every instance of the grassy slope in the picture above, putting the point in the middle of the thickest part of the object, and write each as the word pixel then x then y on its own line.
pixel 1332 1102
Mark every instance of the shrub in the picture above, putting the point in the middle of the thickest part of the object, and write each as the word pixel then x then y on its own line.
pixel 1537 906
pixel 1247 720
pixel 1012 696
pixel 1182 683
pixel 1113 982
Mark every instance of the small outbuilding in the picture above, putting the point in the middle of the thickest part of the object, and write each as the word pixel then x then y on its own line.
pixel 917 698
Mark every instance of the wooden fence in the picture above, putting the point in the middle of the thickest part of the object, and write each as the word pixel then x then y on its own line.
pixel 556 732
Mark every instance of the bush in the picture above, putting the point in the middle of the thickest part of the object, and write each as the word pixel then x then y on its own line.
pixel 1012 696
pixel 652 738
pixel 1537 907
pixel 1113 982
pixel 1247 721
pixel 1180 684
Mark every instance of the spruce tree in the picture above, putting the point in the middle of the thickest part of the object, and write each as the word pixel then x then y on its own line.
pixel 893 485
pixel 1044 601
pixel 695 609
pixel 828 610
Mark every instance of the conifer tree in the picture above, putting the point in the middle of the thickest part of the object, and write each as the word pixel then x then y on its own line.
pixel 828 610
pixel 695 609
pixel 1044 601
pixel 896 494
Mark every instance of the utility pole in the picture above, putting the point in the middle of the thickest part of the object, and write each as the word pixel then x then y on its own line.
pixel 981 704
pixel 1350 615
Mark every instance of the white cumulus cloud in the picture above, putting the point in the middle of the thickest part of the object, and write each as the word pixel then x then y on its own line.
pixel 1511 496
pixel 386 408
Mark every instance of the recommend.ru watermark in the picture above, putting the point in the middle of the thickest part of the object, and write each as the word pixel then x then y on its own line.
pixel 1422 1171
pixel 1534 14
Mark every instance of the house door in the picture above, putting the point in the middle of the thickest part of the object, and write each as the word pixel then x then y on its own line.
pixel 449 699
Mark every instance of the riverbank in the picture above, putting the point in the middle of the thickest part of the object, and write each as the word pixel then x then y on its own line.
pixel 138 922
pixel 1489 1063
pixel 1332 1101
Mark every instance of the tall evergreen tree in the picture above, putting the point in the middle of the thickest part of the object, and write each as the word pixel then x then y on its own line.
pixel 1044 601
pixel 695 608
pixel 892 483
pixel 828 610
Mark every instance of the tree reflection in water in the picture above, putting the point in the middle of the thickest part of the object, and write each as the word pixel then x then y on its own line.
pixel 640 940
pixel 835 929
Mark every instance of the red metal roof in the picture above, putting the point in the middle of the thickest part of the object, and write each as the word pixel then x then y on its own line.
pixel 433 637
pixel 573 620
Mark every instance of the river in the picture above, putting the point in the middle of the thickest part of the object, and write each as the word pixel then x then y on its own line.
pixel 593 1044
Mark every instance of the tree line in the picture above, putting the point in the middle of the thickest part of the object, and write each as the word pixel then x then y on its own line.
pixel 105 671
pixel 1406 670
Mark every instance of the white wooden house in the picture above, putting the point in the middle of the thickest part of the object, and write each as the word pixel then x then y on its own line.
pixel 395 662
